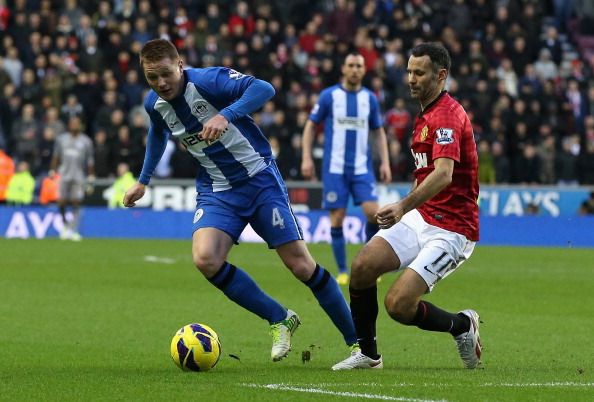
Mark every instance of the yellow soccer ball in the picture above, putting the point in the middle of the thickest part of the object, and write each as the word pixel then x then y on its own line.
pixel 195 347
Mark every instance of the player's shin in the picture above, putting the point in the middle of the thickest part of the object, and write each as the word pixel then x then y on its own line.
pixel 330 298
pixel 238 286
pixel 339 248
pixel 431 318
pixel 364 308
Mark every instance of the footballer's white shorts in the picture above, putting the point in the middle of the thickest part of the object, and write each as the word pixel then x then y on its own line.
pixel 432 252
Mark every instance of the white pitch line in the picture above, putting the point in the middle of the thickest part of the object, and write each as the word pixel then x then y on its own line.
pixel 492 385
pixel 284 387
pixel 544 384
pixel 558 384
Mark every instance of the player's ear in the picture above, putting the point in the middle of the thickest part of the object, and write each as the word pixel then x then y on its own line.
pixel 442 74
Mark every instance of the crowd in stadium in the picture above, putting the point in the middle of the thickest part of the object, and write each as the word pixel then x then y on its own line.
pixel 521 68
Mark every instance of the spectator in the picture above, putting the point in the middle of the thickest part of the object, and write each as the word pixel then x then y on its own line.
pixel 528 165
pixel 102 155
pixel 341 20
pixel 241 22
pixel 49 189
pixel 546 152
pixel 72 108
pixel 13 65
pixel 25 132
pixel 501 163
pixel 123 182
pixel 52 120
pixel 398 121
pixel 545 67
pixel 486 167
pixel 21 186
pixel 46 149
pixel 585 163
pixel 6 172
pixel 566 160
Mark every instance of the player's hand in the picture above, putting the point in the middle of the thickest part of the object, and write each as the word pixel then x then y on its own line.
pixel 389 215
pixel 90 187
pixel 385 173
pixel 133 194
pixel 214 128
pixel 308 170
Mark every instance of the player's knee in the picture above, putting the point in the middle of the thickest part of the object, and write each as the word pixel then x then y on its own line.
pixel 302 269
pixel 399 308
pixel 207 263
pixel 363 272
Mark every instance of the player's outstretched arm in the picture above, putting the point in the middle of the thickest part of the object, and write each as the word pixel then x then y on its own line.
pixel 133 194
pixel 307 164
pixel 385 172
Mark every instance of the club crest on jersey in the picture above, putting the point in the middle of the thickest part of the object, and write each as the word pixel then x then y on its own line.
pixel 444 136
pixel 424 133
pixel 199 109
pixel 198 214
pixel 235 75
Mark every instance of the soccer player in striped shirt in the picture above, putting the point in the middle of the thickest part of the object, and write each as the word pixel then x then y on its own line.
pixel 237 182
pixel 429 233
pixel 351 114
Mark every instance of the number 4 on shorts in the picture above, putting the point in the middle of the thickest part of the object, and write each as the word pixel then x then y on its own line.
pixel 277 219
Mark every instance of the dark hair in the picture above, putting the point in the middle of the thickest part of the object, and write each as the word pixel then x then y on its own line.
pixel 158 49
pixel 354 53
pixel 439 55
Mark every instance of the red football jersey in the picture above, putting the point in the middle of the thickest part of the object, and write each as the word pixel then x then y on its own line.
pixel 443 130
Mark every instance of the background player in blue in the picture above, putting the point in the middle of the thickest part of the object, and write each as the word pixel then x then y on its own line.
pixel 350 113
pixel 237 183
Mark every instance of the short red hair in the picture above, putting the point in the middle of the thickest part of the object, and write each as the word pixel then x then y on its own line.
pixel 158 49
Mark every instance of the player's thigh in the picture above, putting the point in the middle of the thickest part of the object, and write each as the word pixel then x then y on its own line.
pixel 403 239
pixel 335 191
pixel 213 214
pixel 70 190
pixel 375 259
pixel 274 221
pixel 441 255
pixel 363 188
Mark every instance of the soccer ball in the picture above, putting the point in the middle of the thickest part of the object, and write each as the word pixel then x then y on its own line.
pixel 195 347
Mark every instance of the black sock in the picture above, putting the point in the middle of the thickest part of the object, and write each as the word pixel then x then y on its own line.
pixel 364 310
pixel 432 318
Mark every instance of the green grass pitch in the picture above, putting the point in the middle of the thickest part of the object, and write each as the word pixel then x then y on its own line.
pixel 93 321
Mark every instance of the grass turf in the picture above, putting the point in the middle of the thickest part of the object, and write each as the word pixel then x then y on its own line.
pixel 93 321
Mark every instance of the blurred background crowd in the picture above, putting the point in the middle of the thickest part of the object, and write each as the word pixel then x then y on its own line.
pixel 523 69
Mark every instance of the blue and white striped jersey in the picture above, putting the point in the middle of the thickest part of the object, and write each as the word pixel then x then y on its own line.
pixel 348 116
pixel 240 153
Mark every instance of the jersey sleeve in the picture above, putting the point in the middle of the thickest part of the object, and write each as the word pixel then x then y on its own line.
pixel 447 131
pixel 155 145
pixel 241 94
pixel 375 117
pixel 321 108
